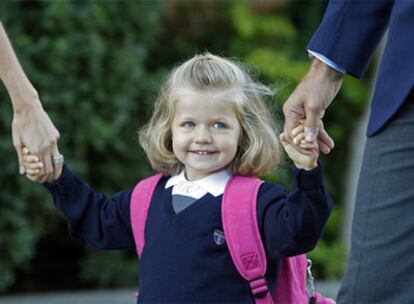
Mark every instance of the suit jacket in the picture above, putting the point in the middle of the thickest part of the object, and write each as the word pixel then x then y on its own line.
pixel 349 34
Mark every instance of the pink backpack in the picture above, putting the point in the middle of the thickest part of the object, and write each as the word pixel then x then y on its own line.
pixel 243 240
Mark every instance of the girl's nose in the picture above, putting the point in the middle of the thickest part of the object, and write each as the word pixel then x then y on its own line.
pixel 202 136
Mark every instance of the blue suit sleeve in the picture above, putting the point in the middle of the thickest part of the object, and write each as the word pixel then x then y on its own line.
pixel 94 219
pixel 350 32
pixel 292 223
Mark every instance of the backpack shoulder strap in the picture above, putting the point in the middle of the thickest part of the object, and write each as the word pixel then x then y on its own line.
pixel 242 233
pixel 241 229
pixel 139 204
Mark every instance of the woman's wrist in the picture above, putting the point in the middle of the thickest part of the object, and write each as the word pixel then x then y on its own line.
pixel 26 101
pixel 21 91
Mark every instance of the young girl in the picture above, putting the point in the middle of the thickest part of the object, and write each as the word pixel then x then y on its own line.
pixel 209 123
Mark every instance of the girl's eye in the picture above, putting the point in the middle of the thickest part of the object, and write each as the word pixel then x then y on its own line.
pixel 219 125
pixel 187 124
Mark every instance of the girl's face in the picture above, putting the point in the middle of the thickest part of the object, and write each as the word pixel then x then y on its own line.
pixel 205 134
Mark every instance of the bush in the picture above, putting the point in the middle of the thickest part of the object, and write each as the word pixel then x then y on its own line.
pixel 89 62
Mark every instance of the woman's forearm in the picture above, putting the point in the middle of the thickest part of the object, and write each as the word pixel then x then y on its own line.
pixel 22 93
pixel 31 126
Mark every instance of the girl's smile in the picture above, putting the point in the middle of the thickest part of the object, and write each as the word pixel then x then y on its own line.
pixel 205 133
pixel 204 152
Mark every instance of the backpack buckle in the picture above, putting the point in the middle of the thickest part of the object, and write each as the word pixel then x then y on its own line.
pixel 259 287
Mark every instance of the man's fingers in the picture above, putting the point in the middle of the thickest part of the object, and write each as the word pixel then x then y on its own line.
pixel 308 145
pixel 313 122
pixel 326 141
pixel 293 114
pixel 324 148
pixel 311 129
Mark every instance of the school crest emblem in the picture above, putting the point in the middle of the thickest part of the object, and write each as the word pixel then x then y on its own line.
pixel 219 238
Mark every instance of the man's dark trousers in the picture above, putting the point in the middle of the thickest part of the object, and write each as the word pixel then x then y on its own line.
pixel 381 262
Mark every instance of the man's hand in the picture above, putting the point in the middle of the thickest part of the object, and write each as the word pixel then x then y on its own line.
pixel 308 102
pixel 307 160
pixel 32 128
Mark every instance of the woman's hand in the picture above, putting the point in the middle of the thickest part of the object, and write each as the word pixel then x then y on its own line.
pixel 34 167
pixel 33 129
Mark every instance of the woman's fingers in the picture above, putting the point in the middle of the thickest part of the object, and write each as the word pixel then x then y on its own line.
pixel 48 166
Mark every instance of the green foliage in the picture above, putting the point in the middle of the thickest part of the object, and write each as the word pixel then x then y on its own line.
pixel 253 26
pixel 115 268
pixel 328 260
pixel 329 256
pixel 88 61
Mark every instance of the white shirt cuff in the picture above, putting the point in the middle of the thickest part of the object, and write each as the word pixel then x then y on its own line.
pixel 328 62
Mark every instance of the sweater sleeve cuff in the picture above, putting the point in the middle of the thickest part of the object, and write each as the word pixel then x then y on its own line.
pixel 305 179
pixel 61 184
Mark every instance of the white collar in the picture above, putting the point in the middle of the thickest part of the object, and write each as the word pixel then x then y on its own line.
pixel 214 183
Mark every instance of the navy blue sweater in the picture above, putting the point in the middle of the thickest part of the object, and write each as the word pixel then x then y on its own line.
pixel 181 263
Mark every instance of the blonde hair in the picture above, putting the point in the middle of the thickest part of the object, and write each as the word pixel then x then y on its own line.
pixel 259 148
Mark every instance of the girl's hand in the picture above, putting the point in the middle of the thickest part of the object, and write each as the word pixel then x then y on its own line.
pixel 33 166
pixel 301 160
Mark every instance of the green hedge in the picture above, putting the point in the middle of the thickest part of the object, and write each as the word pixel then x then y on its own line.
pixel 89 61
